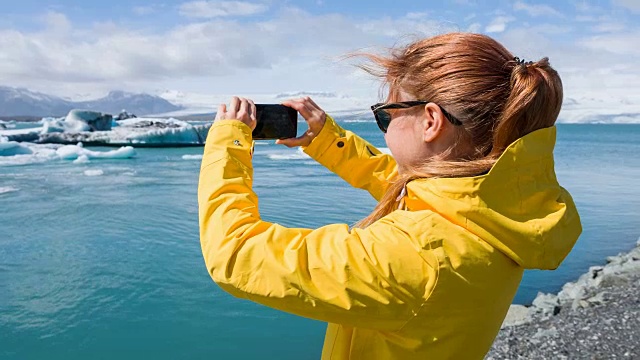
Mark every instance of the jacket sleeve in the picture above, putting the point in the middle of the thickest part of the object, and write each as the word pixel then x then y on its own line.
pixel 353 159
pixel 330 274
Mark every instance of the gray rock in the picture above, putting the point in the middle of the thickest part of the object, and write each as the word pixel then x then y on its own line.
pixel 572 291
pixel 546 304
pixel 517 315
pixel 615 260
pixel 546 333
pixel 599 299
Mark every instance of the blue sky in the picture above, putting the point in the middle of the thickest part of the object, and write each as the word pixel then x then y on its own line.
pixel 24 15
pixel 85 48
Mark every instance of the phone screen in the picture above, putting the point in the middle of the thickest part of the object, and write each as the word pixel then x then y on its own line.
pixel 275 122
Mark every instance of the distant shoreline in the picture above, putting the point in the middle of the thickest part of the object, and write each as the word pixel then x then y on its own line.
pixel 21 118
pixel 210 117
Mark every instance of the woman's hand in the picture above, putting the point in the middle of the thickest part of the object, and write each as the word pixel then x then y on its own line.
pixel 313 115
pixel 239 109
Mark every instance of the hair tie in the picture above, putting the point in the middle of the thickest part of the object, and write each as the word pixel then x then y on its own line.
pixel 521 61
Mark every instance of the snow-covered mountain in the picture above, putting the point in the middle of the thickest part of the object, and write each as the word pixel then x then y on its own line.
pixel 337 104
pixel 24 102
pixel 589 108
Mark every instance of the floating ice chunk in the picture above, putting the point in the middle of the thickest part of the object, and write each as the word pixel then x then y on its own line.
pixel 73 152
pixel 23 134
pixel 158 131
pixel 289 155
pixel 7 189
pixel 97 172
pixel 52 125
pixel 11 124
pixel 82 159
pixel 86 120
pixel 12 148
pixel 69 152
pixel 358 121
pixel 77 121
pixel 192 157
pixel 14 153
pixel 154 122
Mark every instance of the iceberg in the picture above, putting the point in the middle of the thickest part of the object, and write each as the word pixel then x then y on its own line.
pixel 11 124
pixel 74 152
pixel 11 148
pixel 97 129
pixel 93 172
pixel 15 153
pixel 8 189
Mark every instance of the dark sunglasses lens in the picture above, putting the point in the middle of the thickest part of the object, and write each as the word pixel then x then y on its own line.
pixel 384 119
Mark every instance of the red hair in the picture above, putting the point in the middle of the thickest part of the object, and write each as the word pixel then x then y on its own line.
pixel 497 98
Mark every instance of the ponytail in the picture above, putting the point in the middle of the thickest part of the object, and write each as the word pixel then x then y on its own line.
pixel 534 103
pixel 498 98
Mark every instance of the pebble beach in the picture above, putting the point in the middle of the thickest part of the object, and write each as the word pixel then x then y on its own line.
pixel 595 317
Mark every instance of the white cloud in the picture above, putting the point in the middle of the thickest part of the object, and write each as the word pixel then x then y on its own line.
pixel 586 18
pixel 465 2
pixel 585 6
pixel 599 74
pixel 633 5
pixel 215 9
pixel 407 27
pixel 609 26
pixel 622 43
pixel 56 22
pixel 536 10
pixel 296 51
pixel 417 15
pixel 498 24
pixel 474 28
pixel 144 10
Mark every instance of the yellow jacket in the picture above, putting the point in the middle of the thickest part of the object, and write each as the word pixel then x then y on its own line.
pixel 433 281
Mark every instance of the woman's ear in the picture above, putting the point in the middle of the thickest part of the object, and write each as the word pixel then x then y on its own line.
pixel 433 122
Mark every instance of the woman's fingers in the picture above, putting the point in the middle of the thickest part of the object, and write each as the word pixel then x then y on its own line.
pixel 309 110
pixel 243 109
pixel 234 106
pixel 313 103
pixel 299 107
pixel 313 115
pixel 252 110
pixel 239 109
pixel 302 140
pixel 222 109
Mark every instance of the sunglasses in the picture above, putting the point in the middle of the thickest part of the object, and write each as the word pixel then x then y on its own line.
pixel 383 118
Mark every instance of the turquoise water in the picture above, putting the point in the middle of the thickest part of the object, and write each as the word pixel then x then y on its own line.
pixel 109 266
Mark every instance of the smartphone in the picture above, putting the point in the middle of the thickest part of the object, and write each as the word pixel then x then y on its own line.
pixel 275 122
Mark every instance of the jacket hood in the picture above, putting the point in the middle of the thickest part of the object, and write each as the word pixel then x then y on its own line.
pixel 518 206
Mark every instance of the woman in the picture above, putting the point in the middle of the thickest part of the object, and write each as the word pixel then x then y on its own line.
pixel 468 200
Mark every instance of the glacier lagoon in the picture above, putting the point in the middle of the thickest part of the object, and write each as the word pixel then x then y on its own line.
pixel 100 256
